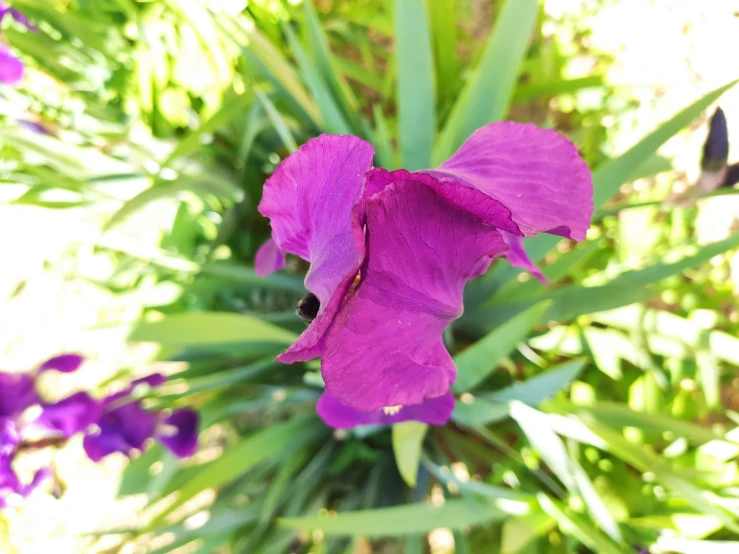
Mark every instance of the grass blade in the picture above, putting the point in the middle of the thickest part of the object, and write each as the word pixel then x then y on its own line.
pixel 487 94
pixel 415 92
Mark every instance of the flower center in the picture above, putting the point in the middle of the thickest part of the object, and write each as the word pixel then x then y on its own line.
pixel 308 307
pixel 392 410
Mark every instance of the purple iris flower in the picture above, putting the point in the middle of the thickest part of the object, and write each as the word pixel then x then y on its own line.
pixel 125 425
pixel 391 251
pixel 11 68
pixel 434 411
pixel 12 490
pixel 17 393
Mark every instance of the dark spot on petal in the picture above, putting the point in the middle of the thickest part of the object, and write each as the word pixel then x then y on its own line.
pixel 308 307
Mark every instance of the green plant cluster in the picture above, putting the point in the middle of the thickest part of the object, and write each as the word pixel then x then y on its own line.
pixel 594 415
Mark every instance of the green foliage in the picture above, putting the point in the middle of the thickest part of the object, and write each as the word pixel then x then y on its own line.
pixel 591 414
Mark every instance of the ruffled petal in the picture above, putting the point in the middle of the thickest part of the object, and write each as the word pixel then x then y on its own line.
pixel 309 200
pixel 268 259
pixel 179 432
pixel 434 411
pixel 65 363
pixel 518 257
pixel 537 174
pixel 17 392
pixel 385 347
pixel 11 68
pixel 71 415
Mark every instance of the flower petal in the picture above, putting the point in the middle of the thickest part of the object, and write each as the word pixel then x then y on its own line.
pixel 535 173
pixel 11 68
pixel 17 392
pixel 179 432
pixel 309 200
pixel 434 411
pixel 385 346
pixel 71 415
pixel 518 257
pixel 269 258
pixel 65 363
pixel 123 429
pixel 9 437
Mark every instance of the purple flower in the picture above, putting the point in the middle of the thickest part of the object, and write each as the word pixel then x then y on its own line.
pixel 71 415
pixel 518 257
pixel 17 393
pixel 9 437
pixel 11 68
pixel 64 363
pixel 12 490
pixel 434 411
pixel 18 390
pixel 390 253
pixel 125 425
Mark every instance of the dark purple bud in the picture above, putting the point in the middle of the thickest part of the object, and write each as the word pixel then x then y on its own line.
pixel 732 176
pixel 66 363
pixel 179 432
pixel 716 147
pixel 71 415
pixel 17 392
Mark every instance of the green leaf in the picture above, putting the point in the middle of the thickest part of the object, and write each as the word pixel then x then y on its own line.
pixel 192 142
pixel 487 94
pixel 381 140
pixel 628 288
pixel 519 532
pixel 209 328
pixel 323 61
pixel 415 94
pixel 211 185
pixel 534 91
pixel 247 276
pixel 333 119
pixel 607 179
pixel 277 440
pixel 443 15
pixel 407 444
pixel 278 122
pixel 478 361
pixel 401 520
pixel 268 60
pixel 687 546
pixel 478 411
pixel 545 441
pixel 578 527
pixel 619 416
pixel 534 391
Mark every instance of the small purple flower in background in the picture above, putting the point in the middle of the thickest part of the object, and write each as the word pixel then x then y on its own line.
pixel 17 394
pixel 125 425
pixel 11 68
pixel 391 251
pixel 118 423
